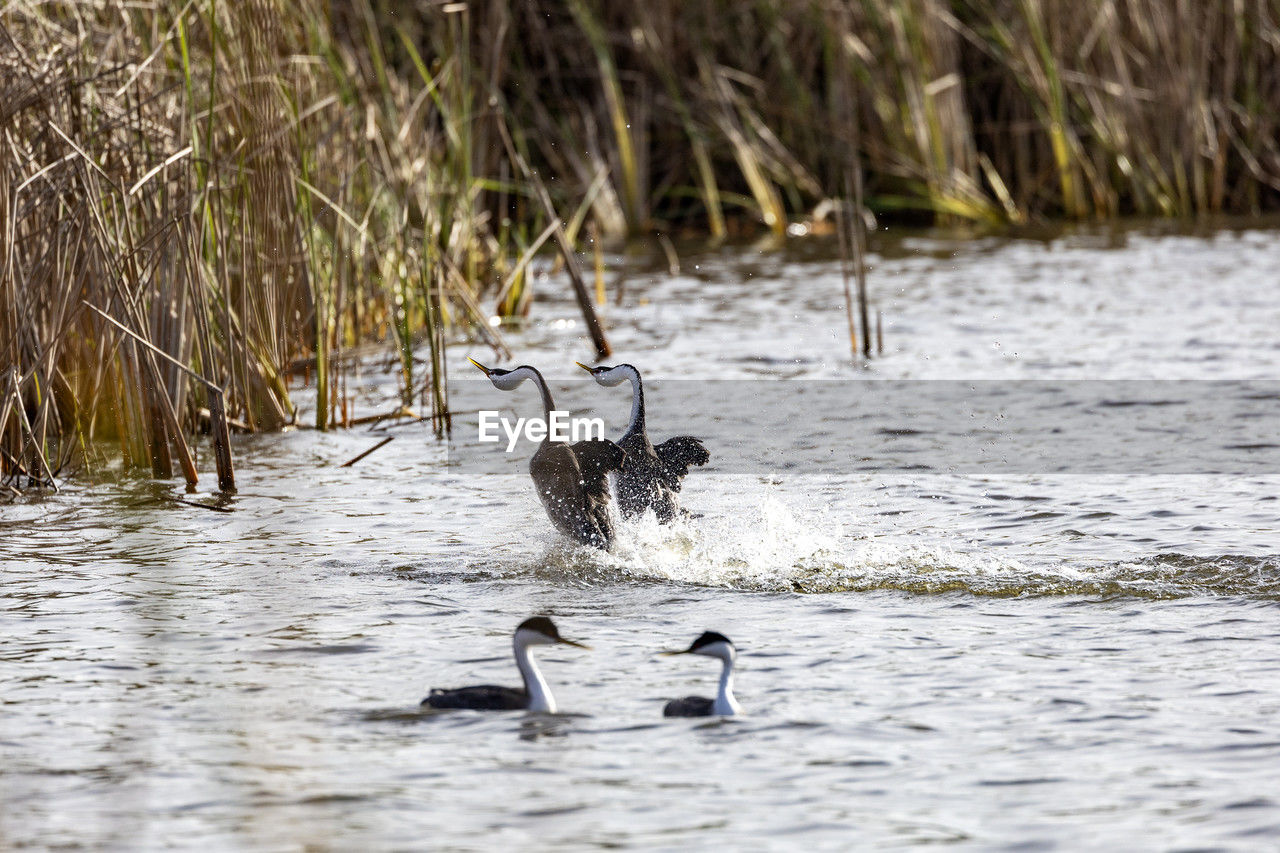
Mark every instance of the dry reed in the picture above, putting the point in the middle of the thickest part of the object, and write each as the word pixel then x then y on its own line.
pixel 199 199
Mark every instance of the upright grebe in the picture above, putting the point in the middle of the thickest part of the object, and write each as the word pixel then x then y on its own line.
pixel 534 696
pixel 650 476
pixel 711 645
pixel 572 479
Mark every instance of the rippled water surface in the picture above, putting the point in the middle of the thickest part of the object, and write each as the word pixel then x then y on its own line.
pixel 954 627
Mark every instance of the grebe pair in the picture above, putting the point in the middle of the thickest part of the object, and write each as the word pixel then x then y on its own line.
pixel 535 695
pixel 572 480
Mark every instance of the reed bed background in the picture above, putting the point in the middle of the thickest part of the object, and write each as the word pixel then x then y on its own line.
pixel 202 202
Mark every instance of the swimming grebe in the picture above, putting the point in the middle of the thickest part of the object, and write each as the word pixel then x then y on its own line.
pixel 534 696
pixel 711 645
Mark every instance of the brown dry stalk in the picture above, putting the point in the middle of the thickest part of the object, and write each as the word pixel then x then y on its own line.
pixel 244 185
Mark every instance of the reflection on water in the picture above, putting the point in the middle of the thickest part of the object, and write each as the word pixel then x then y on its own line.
pixel 998 658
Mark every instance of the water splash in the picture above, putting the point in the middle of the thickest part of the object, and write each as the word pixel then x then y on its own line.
pixel 773 547
pixel 756 549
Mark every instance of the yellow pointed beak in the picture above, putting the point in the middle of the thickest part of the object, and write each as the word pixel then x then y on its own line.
pixel 672 654
pixel 575 645
pixel 479 365
pixel 584 367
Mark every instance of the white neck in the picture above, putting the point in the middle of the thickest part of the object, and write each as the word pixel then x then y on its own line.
pixel 509 381
pixel 637 399
pixel 540 698
pixel 726 705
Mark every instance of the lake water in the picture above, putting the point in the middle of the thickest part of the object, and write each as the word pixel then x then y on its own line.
pixel 1013 585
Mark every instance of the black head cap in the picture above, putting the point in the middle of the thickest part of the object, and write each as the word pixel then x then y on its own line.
pixel 707 638
pixel 542 625
pixel 495 371
pixel 601 368
pixel 498 371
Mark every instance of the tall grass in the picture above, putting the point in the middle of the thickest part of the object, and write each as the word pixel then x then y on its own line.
pixel 202 202
pixel 991 111
pixel 1155 107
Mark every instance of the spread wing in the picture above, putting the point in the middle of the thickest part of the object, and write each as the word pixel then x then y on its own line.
pixel 677 455
pixel 597 457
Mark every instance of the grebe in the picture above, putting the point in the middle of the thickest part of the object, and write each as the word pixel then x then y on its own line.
pixel 534 696
pixel 572 479
pixel 711 645
pixel 650 475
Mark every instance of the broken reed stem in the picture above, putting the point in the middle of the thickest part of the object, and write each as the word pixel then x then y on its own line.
pixel 843 238
pixel 669 249
pixel 380 444
pixel 37 449
pixel 217 412
pixel 589 316
pixel 441 422
pixel 198 504
pixel 150 346
pixel 219 427
pixel 597 254
pixel 859 242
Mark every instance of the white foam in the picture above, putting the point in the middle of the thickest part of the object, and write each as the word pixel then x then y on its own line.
pixel 762 545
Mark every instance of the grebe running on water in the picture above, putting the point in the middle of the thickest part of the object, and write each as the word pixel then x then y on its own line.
pixel 572 480
pixel 651 475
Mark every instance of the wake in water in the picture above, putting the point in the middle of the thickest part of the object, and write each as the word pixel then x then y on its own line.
pixel 771 546
pixel 927 571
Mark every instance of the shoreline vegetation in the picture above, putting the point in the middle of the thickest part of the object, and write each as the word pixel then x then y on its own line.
pixel 202 201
